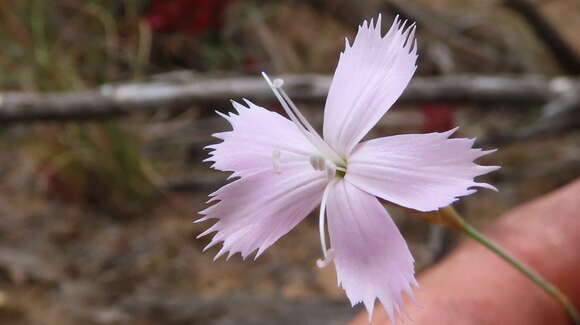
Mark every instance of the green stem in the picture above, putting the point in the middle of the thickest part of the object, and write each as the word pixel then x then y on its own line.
pixel 526 270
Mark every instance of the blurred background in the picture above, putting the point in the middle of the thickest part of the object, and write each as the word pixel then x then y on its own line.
pixel 105 107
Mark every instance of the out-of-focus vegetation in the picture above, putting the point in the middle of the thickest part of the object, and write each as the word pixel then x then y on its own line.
pixel 74 45
pixel 64 45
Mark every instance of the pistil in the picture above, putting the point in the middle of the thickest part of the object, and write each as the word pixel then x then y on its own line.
pixel 327 253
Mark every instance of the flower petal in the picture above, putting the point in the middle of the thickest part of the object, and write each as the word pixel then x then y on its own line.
pixel 258 209
pixel 370 76
pixel 371 257
pixel 257 133
pixel 419 171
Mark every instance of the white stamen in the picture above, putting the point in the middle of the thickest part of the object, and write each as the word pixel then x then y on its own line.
pixel 326 149
pixel 289 157
pixel 330 170
pixel 278 83
pixel 317 162
pixel 322 164
pixel 328 254
pixel 300 121
pixel 321 263
pixel 276 161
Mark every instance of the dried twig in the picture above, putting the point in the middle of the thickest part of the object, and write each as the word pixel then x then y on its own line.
pixel 560 116
pixel 117 100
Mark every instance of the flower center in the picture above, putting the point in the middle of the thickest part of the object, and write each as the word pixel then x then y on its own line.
pixel 322 164
pixel 317 161
pixel 326 160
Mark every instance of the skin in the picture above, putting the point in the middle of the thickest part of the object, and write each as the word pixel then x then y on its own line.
pixel 473 286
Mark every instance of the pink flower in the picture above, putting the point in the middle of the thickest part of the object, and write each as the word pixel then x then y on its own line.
pixel 286 169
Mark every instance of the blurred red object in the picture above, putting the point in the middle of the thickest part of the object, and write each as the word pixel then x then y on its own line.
pixel 438 117
pixel 57 183
pixel 188 16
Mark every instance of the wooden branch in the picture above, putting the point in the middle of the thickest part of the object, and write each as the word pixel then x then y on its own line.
pixel 25 107
pixel 560 116
pixel 112 101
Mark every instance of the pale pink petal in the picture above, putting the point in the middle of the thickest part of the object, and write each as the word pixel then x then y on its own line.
pixel 370 76
pixel 257 133
pixel 257 209
pixel 371 257
pixel 419 171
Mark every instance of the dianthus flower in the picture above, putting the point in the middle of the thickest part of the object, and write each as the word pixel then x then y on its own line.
pixel 285 169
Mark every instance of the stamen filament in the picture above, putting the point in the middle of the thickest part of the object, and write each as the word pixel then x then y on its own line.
pixel 328 254
pixel 285 106
pixel 304 121
pixel 322 164
pixel 307 130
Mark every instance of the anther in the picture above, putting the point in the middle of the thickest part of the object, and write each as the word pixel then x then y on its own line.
pixel 317 162
pixel 330 170
pixel 321 164
pixel 321 263
pixel 278 83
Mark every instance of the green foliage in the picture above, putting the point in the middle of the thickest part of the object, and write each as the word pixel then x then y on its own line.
pixel 95 164
pixel 69 45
